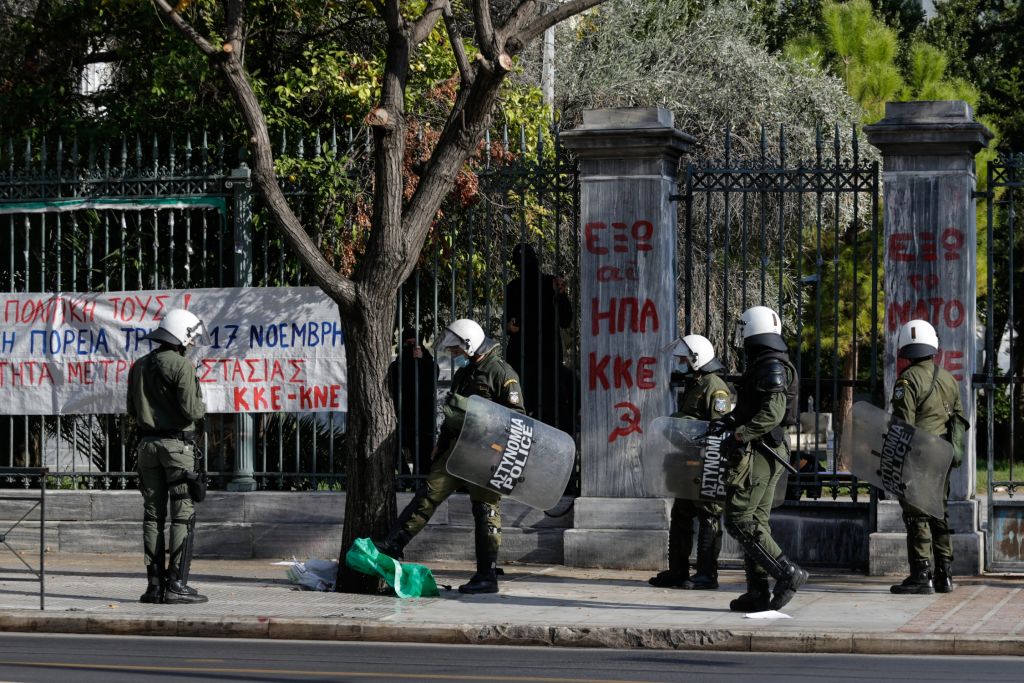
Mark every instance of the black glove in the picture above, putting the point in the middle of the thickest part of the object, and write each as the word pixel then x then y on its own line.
pixel 719 426
pixel 731 449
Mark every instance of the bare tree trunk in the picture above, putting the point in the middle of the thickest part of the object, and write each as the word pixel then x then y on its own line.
pixel 370 434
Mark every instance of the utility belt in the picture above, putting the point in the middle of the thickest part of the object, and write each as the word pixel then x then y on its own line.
pixel 167 434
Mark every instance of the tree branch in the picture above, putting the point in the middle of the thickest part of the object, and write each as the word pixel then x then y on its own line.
pixel 425 24
pixel 234 12
pixel 455 38
pixel 186 28
pixel 515 38
pixel 340 289
pixel 484 28
pixel 518 19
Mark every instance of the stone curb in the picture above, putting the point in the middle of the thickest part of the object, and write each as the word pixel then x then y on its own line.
pixel 289 628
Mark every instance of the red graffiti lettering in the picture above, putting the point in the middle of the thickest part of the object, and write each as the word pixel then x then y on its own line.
pixel 936 310
pixel 622 314
pixel 591 239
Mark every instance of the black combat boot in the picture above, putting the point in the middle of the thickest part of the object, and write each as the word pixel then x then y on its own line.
pixel 394 545
pixel 180 593
pixel 486 578
pixel 793 577
pixel 155 589
pixel 943 577
pixel 918 583
pixel 758 597
pixel 680 538
pixel 709 543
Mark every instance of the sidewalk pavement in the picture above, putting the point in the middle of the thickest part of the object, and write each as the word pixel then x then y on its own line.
pixel 537 605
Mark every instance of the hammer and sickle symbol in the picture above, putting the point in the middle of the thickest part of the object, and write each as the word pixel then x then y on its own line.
pixel 631 420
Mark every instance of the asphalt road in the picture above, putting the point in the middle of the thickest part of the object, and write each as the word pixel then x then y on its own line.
pixel 112 659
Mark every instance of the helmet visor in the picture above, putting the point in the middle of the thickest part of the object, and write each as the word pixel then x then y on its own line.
pixel 446 341
pixel 197 335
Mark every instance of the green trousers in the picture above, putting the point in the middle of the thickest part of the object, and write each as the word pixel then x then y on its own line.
pixel 440 485
pixel 927 535
pixel 161 466
pixel 751 502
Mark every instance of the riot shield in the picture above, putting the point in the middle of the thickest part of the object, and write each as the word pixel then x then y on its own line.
pixel 899 459
pixel 512 454
pixel 680 461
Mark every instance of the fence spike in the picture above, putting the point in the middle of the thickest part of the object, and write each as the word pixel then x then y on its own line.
pixel 170 156
pixel 817 141
pixel 206 151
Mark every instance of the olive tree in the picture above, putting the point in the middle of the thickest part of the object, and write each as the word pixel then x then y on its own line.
pixel 401 215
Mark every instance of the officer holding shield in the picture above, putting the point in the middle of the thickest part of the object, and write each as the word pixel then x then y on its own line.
pixel 165 401
pixel 755 446
pixel 486 374
pixel 706 397
pixel 927 397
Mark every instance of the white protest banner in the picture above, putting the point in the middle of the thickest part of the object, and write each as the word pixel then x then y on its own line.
pixel 275 349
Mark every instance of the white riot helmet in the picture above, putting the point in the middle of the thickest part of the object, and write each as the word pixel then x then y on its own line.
pixel 463 333
pixel 695 348
pixel 178 328
pixel 760 325
pixel 917 339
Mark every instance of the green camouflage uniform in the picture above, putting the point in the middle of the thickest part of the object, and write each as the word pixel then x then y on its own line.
pixel 928 407
pixel 165 401
pixel 705 397
pixel 491 378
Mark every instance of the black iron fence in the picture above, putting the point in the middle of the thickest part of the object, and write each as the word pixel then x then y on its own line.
pixel 1001 382
pixel 170 213
pixel 802 237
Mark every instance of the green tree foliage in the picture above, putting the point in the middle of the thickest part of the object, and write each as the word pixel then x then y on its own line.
pixel 854 42
pixel 983 40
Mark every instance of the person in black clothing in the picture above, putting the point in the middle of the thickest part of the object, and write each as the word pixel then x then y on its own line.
pixel 536 311
pixel 412 378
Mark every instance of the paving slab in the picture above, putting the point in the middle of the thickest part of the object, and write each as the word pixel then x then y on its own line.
pixel 538 604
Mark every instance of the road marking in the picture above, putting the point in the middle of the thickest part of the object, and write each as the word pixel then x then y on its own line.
pixel 291 672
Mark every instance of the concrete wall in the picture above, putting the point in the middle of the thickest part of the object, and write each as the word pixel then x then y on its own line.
pixel 271 525
pixel 286 525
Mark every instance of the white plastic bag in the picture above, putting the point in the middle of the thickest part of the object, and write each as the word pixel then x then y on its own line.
pixel 313 574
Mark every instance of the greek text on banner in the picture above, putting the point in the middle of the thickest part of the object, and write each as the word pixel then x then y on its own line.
pixel 276 349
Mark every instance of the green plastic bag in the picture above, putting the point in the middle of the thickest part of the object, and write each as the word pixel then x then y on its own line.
pixel 409 580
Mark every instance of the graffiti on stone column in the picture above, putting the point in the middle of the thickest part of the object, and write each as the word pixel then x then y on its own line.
pixel 621 314
pixel 932 293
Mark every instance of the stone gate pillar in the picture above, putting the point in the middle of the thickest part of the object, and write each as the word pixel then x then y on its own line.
pixel 628 164
pixel 930 237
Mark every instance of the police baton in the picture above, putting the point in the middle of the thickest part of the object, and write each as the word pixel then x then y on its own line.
pixel 764 449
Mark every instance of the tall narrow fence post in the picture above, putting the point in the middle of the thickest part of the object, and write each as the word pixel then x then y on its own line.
pixel 628 166
pixel 240 184
pixel 931 272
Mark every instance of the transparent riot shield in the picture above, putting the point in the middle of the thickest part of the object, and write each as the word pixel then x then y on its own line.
pixel 680 461
pixel 903 461
pixel 512 454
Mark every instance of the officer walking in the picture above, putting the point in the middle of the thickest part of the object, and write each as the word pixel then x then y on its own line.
pixel 165 401
pixel 705 396
pixel 755 445
pixel 927 397
pixel 487 375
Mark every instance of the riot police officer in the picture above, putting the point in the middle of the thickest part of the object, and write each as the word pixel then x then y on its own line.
pixel 927 397
pixel 487 375
pixel 165 401
pixel 705 396
pixel 766 398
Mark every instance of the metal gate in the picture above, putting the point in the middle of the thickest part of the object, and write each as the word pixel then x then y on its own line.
pixel 1001 381
pixel 802 237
